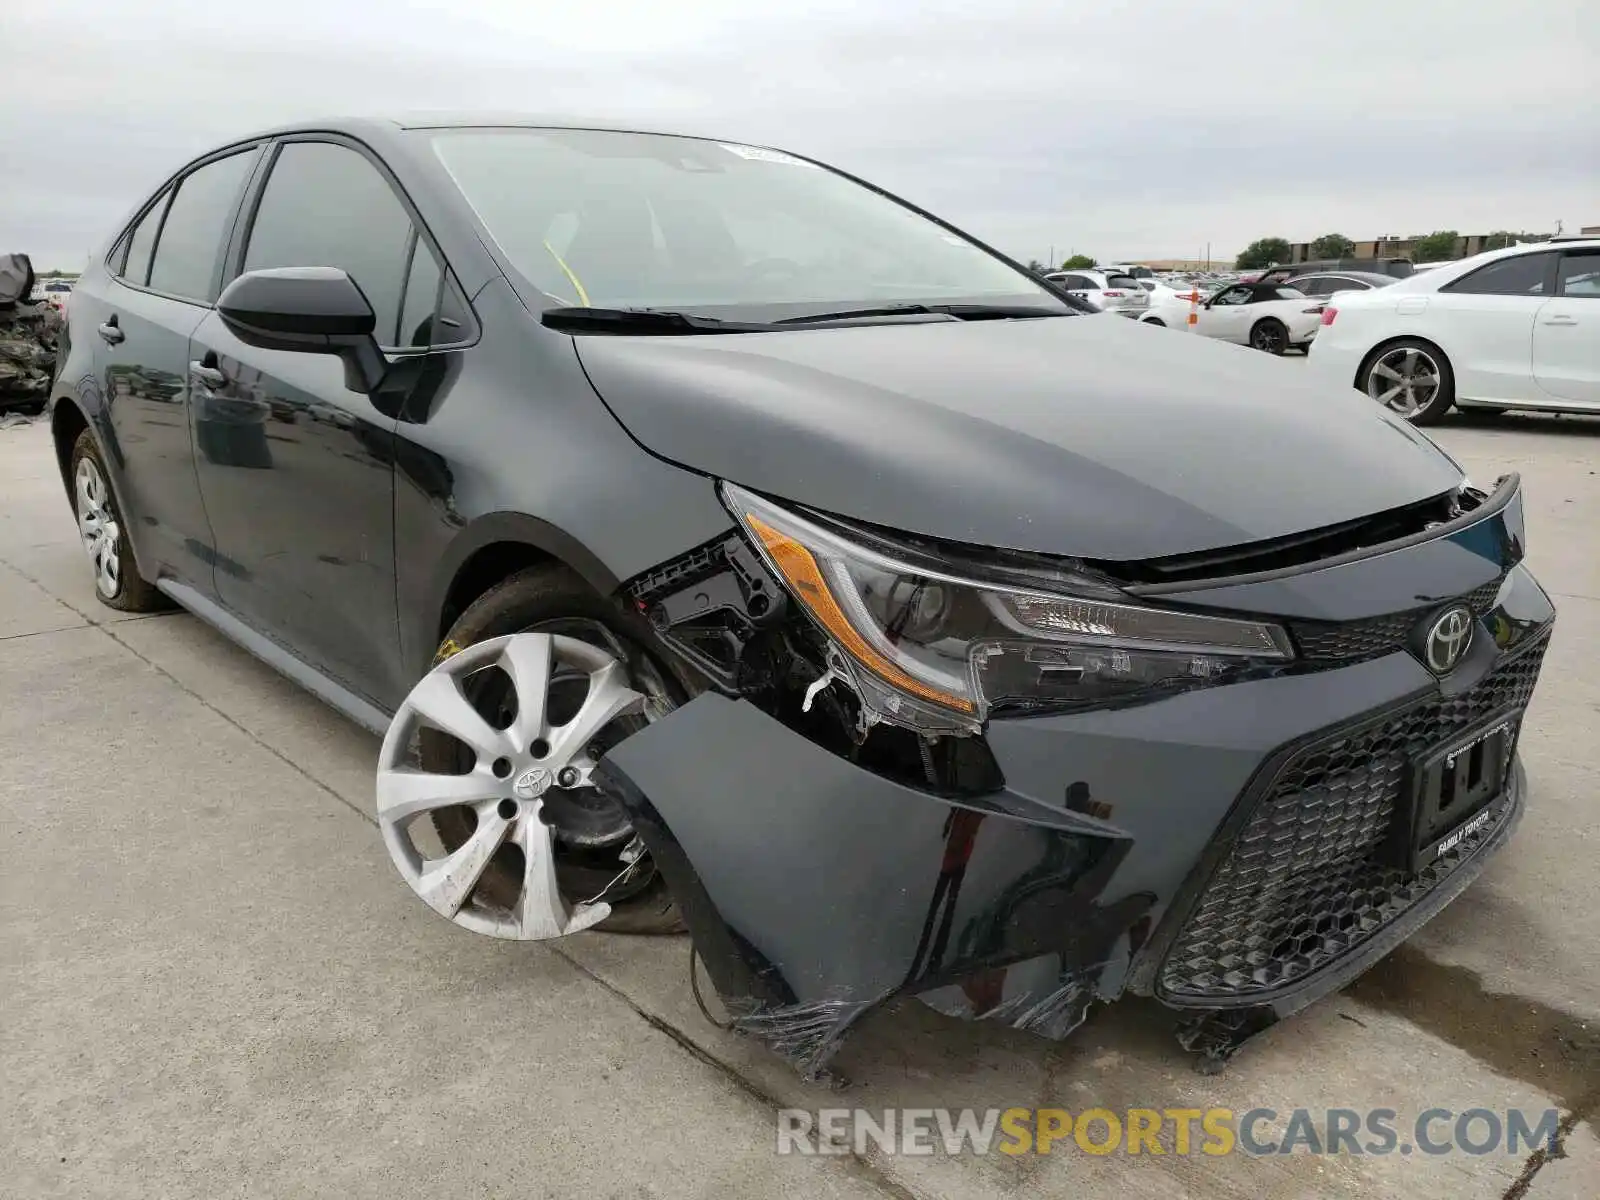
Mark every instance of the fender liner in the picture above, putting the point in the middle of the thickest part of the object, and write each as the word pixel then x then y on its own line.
pixel 486 531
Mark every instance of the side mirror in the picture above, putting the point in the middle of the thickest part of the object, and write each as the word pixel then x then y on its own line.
pixel 316 310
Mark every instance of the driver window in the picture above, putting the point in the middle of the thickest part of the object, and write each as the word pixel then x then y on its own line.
pixel 1234 295
pixel 325 205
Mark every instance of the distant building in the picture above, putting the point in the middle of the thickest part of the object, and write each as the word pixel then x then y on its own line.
pixel 1405 247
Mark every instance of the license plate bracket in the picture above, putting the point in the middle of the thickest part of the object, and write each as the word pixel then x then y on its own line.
pixel 1450 790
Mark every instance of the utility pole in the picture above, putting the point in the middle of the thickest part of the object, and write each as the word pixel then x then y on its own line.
pixel 1208 256
pixel 1051 261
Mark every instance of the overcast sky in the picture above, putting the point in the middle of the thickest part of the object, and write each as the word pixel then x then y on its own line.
pixel 1137 129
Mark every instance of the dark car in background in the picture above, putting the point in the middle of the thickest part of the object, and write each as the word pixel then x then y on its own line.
pixel 1331 283
pixel 718 541
pixel 1395 268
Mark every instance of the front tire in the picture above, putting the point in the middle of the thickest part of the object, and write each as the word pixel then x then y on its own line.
pixel 117 582
pixel 1411 378
pixel 592 832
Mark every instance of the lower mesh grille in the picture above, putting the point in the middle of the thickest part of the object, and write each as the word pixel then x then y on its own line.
pixel 1306 879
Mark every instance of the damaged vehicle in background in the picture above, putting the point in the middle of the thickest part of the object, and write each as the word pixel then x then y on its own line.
pixel 719 542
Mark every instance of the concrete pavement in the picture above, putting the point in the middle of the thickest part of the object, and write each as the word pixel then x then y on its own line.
pixel 215 984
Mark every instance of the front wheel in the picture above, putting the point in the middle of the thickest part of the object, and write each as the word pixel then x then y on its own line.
pixel 1411 378
pixel 533 684
pixel 1269 335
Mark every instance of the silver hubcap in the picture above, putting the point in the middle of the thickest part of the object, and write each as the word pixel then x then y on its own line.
pixel 98 526
pixel 1405 380
pixel 513 770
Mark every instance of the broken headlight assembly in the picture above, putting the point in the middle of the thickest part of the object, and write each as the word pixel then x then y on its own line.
pixel 940 651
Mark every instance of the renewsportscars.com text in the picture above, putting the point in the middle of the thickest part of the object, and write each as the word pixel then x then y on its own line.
pixel 1152 1131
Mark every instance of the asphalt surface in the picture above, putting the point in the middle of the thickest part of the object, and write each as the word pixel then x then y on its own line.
pixel 215 985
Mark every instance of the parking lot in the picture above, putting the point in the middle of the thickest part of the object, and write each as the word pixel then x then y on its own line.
pixel 215 984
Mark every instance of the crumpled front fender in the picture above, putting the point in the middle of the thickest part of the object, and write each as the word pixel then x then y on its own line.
pixel 815 889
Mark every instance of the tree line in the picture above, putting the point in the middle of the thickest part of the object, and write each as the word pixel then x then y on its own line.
pixel 1438 246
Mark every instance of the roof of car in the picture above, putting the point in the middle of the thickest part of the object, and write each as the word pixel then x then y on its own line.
pixel 1369 276
pixel 395 122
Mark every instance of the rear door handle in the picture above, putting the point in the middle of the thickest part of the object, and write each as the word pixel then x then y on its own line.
pixel 211 377
pixel 111 333
pixel 1561 320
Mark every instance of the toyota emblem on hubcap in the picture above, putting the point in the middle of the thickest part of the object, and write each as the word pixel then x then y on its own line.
pixel 1447 640
pixel 531 784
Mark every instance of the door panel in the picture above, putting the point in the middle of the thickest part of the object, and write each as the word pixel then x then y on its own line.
pixel 146 394
pixel 1230 322
pixel 1566 332
pixel 297 473
pixel 1490 343
pixel 1566 349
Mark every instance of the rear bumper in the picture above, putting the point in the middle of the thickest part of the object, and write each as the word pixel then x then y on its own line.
pixel 1217 849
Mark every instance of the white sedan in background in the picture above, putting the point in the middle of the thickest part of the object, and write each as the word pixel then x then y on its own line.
pixel 1267 316
pixel 1106 290
pixel 1514 328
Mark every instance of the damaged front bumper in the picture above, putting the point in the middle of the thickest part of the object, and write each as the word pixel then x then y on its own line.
pixel 1225 850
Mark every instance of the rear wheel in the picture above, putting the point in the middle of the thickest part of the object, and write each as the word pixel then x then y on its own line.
pixel 539 678
pixel 117 582
pixel 1410 377
pixel 1269 335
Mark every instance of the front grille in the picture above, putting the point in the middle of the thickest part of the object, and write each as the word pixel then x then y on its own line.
pixel 1352 640
pixel 1306 878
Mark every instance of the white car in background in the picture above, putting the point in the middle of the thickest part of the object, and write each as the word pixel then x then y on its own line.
pixel 1106 290
pixel 1266 316
pixel 1513 328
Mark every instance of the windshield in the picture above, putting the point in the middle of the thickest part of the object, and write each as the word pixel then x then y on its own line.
pixel 1123 281
pixel 627 220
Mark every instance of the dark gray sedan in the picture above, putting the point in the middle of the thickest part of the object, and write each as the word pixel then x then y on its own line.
pixel 718 541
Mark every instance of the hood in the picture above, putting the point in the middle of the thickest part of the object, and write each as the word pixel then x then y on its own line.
pixel 1092 437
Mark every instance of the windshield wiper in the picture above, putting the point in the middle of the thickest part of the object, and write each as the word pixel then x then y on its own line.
pixel 961 312
pixel 668 322
pixel 657 321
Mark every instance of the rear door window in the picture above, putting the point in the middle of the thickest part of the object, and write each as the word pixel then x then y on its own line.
pixel 1522 275
pixel 189 249
pixel 136 264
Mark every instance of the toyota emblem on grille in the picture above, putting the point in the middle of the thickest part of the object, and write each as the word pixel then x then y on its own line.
pixel 1447 640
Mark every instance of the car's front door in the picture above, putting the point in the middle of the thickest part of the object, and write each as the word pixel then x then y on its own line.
pixel 296 468
pixel 1487 320
pixel 1225 315
pixel 1566 331
pixel 164 277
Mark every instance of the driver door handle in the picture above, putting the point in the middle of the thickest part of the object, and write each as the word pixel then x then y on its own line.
pixel 211 377
pixel 111 333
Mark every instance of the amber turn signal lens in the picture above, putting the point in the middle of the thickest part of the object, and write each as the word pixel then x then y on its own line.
pixel 804 577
